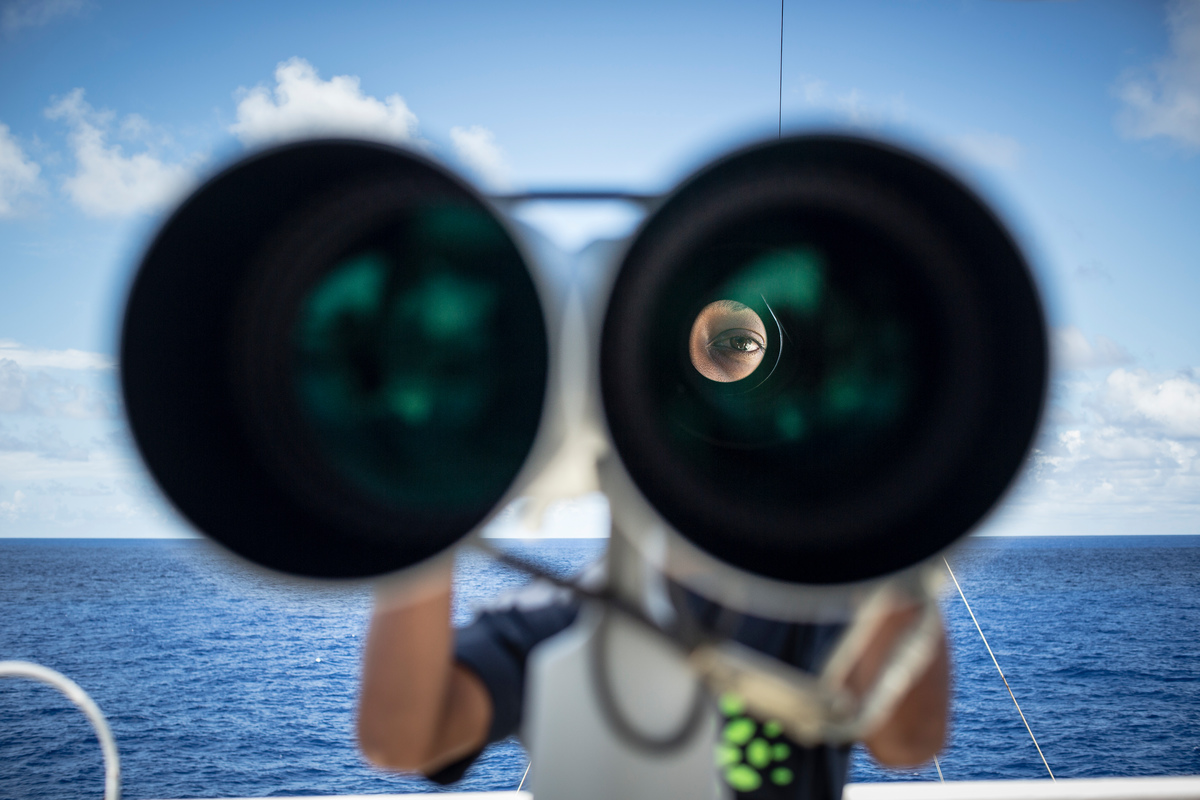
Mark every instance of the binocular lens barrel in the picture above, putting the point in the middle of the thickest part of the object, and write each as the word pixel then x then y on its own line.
pixel 335 359
pixel 823 360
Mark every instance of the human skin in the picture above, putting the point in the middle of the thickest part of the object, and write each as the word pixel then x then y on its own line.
pixel 916 730
pixel 419 710
pixel 727 341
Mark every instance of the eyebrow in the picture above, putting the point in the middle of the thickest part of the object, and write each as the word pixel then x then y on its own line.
pixel 744 314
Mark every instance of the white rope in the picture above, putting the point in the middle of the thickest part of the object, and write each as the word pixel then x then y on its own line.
pixel 997 663
pixel 939 769
pixel 112 762
pixel 528 764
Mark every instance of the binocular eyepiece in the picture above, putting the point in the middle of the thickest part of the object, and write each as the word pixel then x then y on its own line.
pixel 822 359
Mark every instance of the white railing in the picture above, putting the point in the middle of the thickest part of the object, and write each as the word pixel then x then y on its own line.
pixel 1062 789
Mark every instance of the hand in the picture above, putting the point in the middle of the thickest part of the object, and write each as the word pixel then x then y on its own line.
pixel 916 729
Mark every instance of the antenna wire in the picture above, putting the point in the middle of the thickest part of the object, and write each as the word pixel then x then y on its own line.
pixel 781 68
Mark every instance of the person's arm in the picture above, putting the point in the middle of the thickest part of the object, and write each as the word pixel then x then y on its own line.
pixel 418 710
pixel 916 730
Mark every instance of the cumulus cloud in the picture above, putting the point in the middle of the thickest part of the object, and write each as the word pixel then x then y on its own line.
pixel 46 442
pixel 1128 463
pixel 476 147
pixel 11 509
pixel 18 174
pixel 1109 469
pixel 1073 350
pixel 302 105
pixel 57 359
pixel 107 182
pixel 67 461
pixel 70 509
pixel 991 150
pixel 1138 399
pixel 1164 100
pixel 58 477
pixel 41 395
pixel 21 14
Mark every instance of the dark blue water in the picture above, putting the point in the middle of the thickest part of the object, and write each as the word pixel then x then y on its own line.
pixel 220 681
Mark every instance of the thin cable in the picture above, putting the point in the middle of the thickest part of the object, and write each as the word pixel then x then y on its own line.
pixel 606 598
pixel 997 663
pixel 781 69
pixel 112 762
pixel 611 710
pixel 528 764
pixel 935 763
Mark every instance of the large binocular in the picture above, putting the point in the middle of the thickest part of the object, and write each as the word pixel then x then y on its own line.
pixel 818 361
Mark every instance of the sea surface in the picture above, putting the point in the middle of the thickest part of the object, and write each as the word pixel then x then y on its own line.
pixel 221 681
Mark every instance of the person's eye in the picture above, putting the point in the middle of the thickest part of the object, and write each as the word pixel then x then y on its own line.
pixel 738 340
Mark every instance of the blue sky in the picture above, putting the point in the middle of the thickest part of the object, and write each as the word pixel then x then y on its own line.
pixel 1081 121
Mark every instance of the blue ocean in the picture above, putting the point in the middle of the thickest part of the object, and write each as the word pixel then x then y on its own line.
pixel 222 681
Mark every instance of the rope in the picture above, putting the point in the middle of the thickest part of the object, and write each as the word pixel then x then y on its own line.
pixel 528 764
pixel 997 663
pixel 112 763
pixel 939 769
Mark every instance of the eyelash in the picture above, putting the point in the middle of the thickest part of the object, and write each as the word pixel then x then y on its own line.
pixel 723 340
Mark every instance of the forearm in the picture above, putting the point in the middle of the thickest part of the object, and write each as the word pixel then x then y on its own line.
pixel 417 709
pixel 916 730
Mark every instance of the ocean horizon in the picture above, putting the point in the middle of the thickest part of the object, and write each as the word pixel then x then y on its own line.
pixel 220 680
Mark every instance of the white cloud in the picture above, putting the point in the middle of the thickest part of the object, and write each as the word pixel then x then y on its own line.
pixel 852 105
pixel 67 462
pixel 36 13
pixel 107 182
pixel 56 359
pixel 1109 469
pixel 1138 399
pixel 11 509
pixel 25 464
pixel 302 105
pixel 76 491
pixel 583 517
pixel 992 150
pixel 571 226
pixel 1130 463
pixel 42 395
pixel 18 174
pixel 45 442
pixel 1072 350
pixel 476 147
pixel 1165 100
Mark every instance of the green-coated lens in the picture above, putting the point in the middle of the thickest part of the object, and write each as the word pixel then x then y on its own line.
pixel 830 378
pixel 420 358
pixel 841 362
